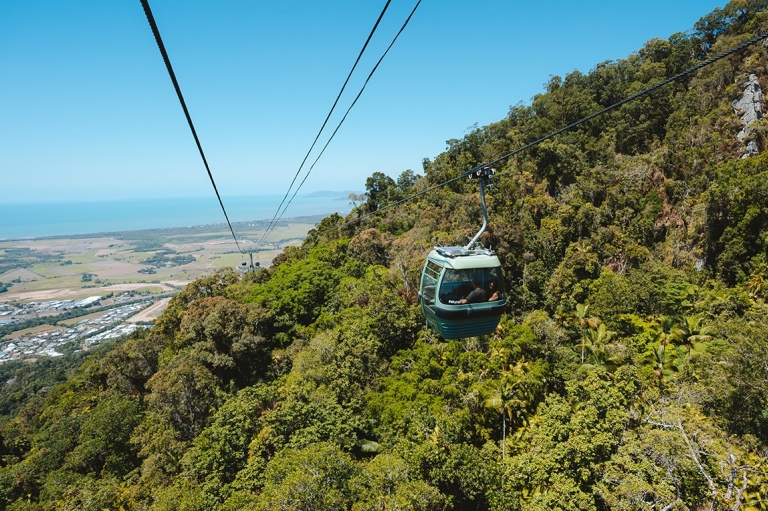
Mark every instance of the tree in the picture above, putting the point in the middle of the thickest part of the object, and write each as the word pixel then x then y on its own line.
pixel 406 180
pixel 581 317
pixel 381 190
pixel 517 389
pixel 221 450
pixel 386 482
pixel 561 451
pixel 168 323
pixel 225 336
pixel 668 330
pixel 103 446
pixel 588 323
pixel 129 366
pixel 595 342
pixel 315 478
pixel 406 263
pixel 697 466
pixel 691 331
pixel 185 393
pixel 371 246
pixel 298 291
pixel 663 361
pixel 747 408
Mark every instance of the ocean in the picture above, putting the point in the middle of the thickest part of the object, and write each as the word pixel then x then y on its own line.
pixel 34 220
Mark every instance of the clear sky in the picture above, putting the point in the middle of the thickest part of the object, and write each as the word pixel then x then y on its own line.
pixel 88 112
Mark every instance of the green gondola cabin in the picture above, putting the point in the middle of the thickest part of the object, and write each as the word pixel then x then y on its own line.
pixel 462 292
pixel 462 288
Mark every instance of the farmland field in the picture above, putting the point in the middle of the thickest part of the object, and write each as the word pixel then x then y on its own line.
pixel 155 261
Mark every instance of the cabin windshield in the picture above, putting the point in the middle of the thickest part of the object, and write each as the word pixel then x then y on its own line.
pixel 475 285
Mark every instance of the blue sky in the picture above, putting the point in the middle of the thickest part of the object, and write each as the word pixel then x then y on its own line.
pixel 88 111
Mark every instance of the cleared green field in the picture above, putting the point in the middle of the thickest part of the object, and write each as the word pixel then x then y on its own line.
pixel 81 258
pixel 51 271
pixel 222 260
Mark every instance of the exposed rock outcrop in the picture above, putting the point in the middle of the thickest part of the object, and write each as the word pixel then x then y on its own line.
pixel 750 109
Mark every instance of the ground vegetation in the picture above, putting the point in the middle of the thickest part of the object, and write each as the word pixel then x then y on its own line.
pixel 629 371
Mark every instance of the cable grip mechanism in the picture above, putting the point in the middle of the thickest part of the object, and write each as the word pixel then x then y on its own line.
pixel 483 175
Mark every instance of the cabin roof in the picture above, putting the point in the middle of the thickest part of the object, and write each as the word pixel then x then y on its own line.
pixel 459 258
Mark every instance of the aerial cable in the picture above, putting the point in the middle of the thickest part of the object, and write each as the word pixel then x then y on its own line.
pixel 350 107
pixel 161 46
pixel 508 155
pixel 370 36
pixel 353 104
pixel 625 100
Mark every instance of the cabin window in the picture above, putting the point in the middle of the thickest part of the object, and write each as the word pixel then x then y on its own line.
pixel 429 283
pixel 458 284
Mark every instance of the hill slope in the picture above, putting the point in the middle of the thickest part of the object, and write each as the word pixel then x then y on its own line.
pixel 629 372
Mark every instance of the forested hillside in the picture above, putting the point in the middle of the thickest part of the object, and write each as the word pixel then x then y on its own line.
pixel 629 372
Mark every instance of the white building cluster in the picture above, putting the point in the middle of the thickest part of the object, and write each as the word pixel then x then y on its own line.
pixel 88 332
pixel 10 312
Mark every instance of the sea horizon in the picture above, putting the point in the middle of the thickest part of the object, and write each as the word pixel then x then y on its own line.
pixel 26 220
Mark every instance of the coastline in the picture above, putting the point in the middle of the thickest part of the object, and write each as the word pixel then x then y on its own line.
pixel 77 219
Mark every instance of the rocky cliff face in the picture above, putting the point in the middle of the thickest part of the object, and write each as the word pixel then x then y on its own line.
pixel 750 109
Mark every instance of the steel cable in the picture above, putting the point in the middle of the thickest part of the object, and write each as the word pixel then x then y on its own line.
pixel 167 60
pixel 352 105
pixel 327 117
pixel 644 92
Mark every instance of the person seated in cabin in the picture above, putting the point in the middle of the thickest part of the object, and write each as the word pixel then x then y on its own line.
pixel 493 291
pixel 477 295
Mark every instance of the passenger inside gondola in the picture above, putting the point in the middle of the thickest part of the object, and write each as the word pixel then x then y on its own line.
pixel 478 294
pixel 493 291
pixel 461 287
pixel 465 292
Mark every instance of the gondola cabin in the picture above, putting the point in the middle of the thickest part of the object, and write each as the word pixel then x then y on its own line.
pixel 462 292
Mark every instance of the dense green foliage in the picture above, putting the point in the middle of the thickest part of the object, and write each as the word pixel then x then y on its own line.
pixel 628 373
pixel 23 382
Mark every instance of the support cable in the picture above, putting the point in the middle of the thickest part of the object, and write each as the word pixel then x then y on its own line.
pixel 327 117
pixel 350 106
pixel 161 46
pixel 644 92
pixel 508 155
